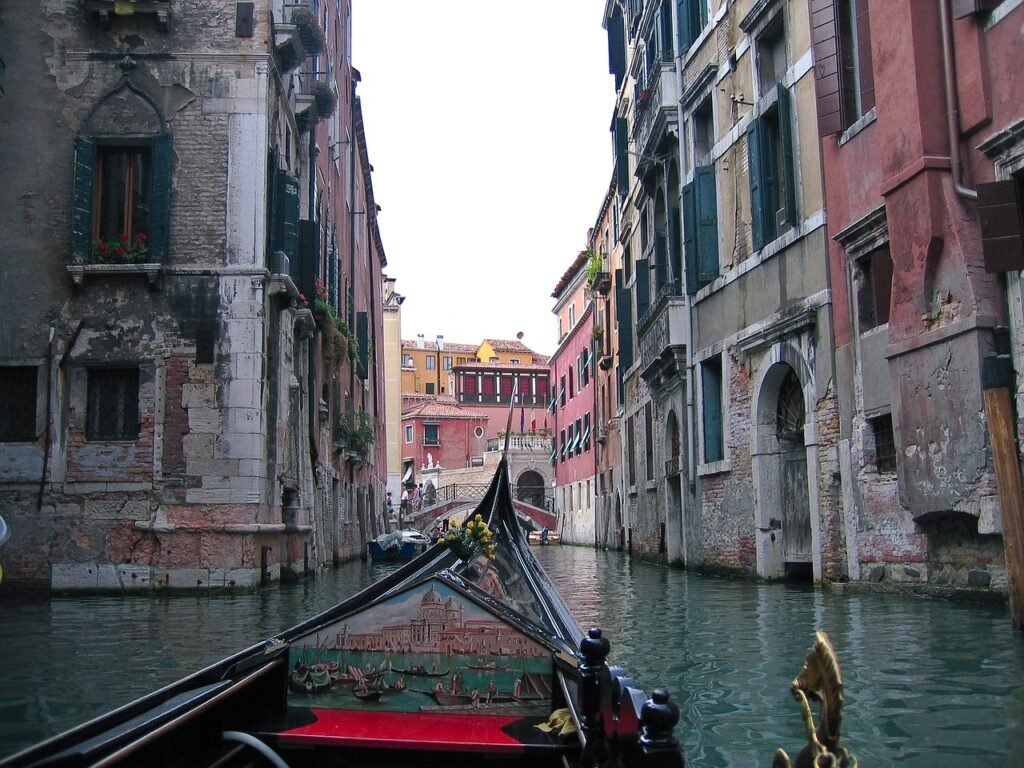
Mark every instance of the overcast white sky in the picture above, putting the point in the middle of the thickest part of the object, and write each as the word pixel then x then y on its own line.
pixel 487 127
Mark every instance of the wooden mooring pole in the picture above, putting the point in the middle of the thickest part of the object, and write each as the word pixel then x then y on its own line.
pixel 996 377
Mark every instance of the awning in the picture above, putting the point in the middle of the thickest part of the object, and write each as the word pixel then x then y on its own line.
pixel 554 455
pixel 575 443
pixel 586 435
pixel 408 474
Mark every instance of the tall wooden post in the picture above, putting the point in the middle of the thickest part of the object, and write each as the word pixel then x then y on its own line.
pixel 996 376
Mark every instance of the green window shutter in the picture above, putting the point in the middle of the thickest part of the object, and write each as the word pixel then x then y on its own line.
pixel 707 224
pixel 624 316
pixel 683 24
pixel 788 163
pixel 675 249
pixel 306 263
pixel 622 155
pixel 363 337
pixel 711 379
pixel 81 221
pixel 332 272
pixel 754 174
pixel 617 47
pixel 690 236
pixel 660 262
pixel 643 287
pixel 667 47
pixel 160 199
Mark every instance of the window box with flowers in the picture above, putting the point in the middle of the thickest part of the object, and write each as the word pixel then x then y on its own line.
pixel 121 206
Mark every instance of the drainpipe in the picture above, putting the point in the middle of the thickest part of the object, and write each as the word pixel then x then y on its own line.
pixel 952 103
pixel 49 407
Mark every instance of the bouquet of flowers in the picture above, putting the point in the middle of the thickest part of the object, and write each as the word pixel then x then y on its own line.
pixel 470 539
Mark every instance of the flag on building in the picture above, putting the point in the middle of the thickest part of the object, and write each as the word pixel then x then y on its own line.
pixel 533 419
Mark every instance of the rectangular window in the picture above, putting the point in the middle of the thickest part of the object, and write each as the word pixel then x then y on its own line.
pixel 561 391
pixel 513 361
pixel 711 383
pixel 431 434
pixel 572 388
pixel 586 432
pixel 703 133
pixel 446 361
pixel 112 411
pixel 562 445
pixel 874 291
pixel 507 383
pixel 408 433
pixel 885 443
pixel 771 54
pixel 407 361
pixel 431 363
pixel 700 228
pixel 542 388
pixel 469 384
pixel 428 388
pixel 18 403
pixel 122 192
pixel 488 385
pixel 771 171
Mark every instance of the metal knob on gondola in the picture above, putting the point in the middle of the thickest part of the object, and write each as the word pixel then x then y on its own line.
pixel 658 745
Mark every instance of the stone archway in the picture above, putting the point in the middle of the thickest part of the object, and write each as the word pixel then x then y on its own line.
pixel 783 453
pixel 530 488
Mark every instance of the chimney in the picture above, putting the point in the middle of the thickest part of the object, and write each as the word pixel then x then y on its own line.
pixel 419 341
pixel 440 343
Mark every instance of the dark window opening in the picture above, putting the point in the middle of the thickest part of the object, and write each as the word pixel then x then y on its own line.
pixel 874 292
pixel 17 403
pixel 711 386
pixel 431 434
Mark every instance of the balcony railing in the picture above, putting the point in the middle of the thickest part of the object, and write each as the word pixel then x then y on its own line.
pixel 522 441
pixel 672 467
pixel 662 327
pixel 658 109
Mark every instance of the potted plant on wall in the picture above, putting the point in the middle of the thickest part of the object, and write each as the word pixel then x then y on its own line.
pixel 357 436
pixel 323 98
pixel 310 34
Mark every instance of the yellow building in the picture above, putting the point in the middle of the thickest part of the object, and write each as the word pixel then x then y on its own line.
pixel 427 365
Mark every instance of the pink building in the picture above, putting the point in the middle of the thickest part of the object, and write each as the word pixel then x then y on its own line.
pixel 573 385
pixel 440 431
pixel 920 109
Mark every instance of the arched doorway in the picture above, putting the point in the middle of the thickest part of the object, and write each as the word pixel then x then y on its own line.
pixel 786 506
pixel 530 488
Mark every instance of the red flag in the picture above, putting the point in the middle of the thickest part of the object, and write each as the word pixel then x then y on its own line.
pixel 533 419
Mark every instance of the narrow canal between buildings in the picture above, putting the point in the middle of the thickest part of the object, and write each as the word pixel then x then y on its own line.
pixel 928 682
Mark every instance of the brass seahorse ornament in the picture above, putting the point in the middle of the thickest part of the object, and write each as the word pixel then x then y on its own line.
pixel 820 680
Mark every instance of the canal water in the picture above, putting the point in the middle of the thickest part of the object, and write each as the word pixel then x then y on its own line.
pixel 928 683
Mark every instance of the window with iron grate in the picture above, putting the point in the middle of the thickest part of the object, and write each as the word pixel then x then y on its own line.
pixel 112 412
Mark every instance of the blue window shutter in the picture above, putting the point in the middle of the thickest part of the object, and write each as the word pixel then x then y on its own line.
pixel 643 287
pixel 788 165
pixel 622 155
pixel 690 236
pixel 81 221
pixel 754 173
pixel 707 224
pixel 712 385
pixel 623 313
pixel 160 199
pixel 675 251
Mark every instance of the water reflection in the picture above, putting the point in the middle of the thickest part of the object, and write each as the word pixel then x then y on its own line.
pixel 928 683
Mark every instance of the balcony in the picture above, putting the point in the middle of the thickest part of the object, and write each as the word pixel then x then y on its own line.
pixel 655 109
pixel 662 339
